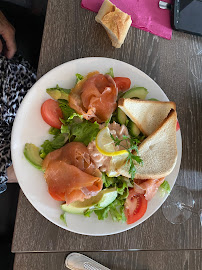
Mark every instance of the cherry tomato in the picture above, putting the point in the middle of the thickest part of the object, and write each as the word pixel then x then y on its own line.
pixel 122 83
pixel 51 113
pixel 135 206
pixel 177 126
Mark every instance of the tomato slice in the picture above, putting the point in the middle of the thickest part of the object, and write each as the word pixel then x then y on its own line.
pixel 177 126
pixel 135 206
pixel 122 83
pixel 51 113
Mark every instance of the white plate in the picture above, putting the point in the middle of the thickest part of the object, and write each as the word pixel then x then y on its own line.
pixel 29 127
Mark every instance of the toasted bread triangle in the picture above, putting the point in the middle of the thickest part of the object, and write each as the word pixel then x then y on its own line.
pixel 158 151
pixel 147 115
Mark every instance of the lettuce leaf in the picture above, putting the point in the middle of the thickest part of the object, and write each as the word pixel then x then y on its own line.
pixel 111 72
pixel 49 146
pixel 62 217
pixel 116 208
pixel 84 132
pixel 80 130
pixel 65 129
pixel 165 185
pixel 79 77
pixel 121 183
pixel 66 110
pixel 54 131
pixel 164 188
pixel 74 115
pixel 108 181
pixel 103 213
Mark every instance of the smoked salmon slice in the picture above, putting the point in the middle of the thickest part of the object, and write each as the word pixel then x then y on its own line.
pixel 94 97
pixel 147 187
pixel 70 174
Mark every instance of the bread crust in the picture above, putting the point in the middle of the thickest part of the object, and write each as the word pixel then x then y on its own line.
pixel 115 22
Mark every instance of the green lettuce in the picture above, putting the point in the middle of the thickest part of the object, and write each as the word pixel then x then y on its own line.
pixel 108 181
pixel 164 188
pixel 121 183
pixel 66 110
pixel 54 131
pixel 79 77
pixel 116 208
pixel 62 217
pixel 74 115
pixel 79 129
pixel 65 129
pixel 84 132
pixel 111 72
pixel 74 128
pixel 49 146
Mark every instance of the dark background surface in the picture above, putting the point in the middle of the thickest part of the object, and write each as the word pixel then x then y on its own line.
pixel 28 22
pixel 8 205
pixel 27 16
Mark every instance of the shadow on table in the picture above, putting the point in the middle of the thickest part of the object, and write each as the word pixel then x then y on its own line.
pixel 8 205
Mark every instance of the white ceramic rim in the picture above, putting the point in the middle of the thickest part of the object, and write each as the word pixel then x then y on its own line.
pixel 87 62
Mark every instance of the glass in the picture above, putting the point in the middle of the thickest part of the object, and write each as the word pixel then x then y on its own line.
pixel 179 206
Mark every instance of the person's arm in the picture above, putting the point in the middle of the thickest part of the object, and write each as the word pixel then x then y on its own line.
pixel 7 31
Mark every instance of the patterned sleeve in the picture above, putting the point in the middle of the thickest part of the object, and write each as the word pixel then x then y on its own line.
pixel 16 78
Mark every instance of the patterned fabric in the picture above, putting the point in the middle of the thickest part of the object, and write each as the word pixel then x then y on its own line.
pixel 16 78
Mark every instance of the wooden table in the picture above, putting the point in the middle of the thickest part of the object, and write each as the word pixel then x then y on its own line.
pixel 71 32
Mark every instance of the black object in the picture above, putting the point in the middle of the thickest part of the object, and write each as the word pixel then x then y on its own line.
pixel 29 30
pixel 186 15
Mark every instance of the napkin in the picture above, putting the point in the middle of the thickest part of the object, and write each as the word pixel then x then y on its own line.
pixel 145 14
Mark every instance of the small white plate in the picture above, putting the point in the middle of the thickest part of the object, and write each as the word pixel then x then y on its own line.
pixel 29 127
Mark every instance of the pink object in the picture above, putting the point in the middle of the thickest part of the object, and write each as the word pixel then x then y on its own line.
pixel 145 14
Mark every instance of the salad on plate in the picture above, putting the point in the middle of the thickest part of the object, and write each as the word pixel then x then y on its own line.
pixel 104 135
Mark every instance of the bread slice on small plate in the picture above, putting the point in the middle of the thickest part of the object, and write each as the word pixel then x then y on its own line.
pixel 146 114
pixel 115 22
pixel 158 152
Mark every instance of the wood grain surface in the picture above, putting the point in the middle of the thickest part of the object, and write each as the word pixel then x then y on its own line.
pixel 71 32
pixel 147 260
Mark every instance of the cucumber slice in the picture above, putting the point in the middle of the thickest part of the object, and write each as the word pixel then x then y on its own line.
pixel 122 117
pixel 136 92
pixel 133 129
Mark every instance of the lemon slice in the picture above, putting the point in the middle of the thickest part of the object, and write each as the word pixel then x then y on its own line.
pixel 115 164
pixel 105 144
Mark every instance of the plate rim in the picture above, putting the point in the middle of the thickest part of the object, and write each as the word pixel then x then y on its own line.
pixel 43 77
